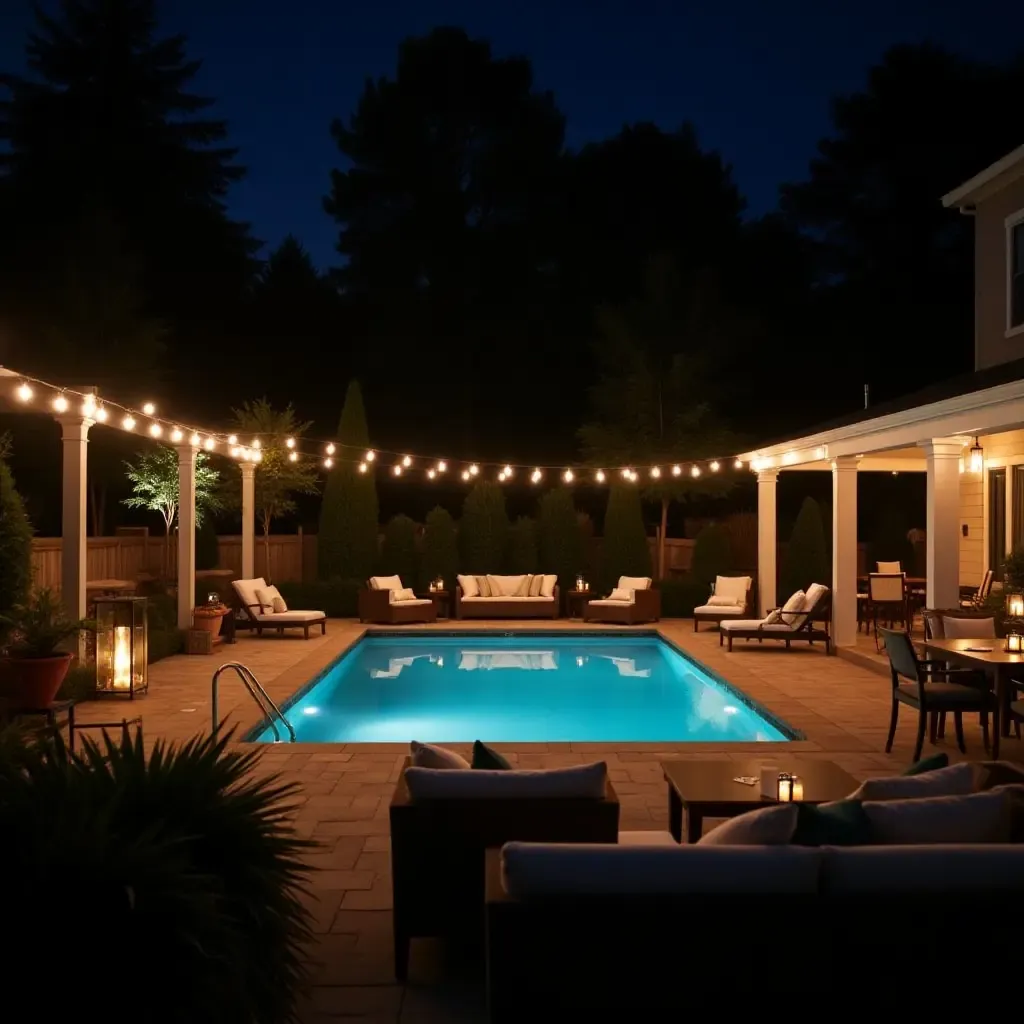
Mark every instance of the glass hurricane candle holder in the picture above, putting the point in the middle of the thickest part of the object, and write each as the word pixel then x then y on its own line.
pixel 1014 642
pixel 122 646
pixel 1015 606
pixel 784 787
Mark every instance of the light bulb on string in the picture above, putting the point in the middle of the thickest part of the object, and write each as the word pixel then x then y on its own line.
pixel 257 455
pixel 293 456
pixel 330 449
pixel 442 466
pixel 535 476
pixel 676 470
pixel 290 443
pixel 176 434
pixel 60 403
pixel 695 472
pixel 195 440
pixel 328 462
pixel 627 473
pixel 567 476
pixel 507 471
pixel 24 391
pixel 599 476
pixel 397 470
pixel 128 422
pixel 209 444
pixel 149 408
pixel 155 429
pixel 89 406
pixel 256 442
pixel 714 467
pixel 738 464
pixel 101 414
pixel 236 452
pixel 431 474
pixel 362 467
pixel 232 439
pixel 655 472
pixel 465 474
pixel 406 461
pixel 474 469
pixel 370 455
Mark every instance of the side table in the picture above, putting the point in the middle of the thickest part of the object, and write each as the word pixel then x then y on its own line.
pixel 574 602
pixel 441 598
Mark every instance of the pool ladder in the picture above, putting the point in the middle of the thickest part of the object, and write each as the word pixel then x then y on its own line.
pixel 270 710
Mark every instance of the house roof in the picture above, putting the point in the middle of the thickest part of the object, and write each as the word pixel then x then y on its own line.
pixel 965 195
pixel 954 387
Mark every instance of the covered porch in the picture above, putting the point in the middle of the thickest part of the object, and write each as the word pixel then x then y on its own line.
pixel 969 445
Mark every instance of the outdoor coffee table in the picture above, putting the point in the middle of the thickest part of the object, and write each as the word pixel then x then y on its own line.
pixel 705 789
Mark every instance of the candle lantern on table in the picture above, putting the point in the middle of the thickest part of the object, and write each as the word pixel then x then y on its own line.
pixel 122 646
pixel 1014 642
pixel 213 599
pixel 1015 606
pixel 785 787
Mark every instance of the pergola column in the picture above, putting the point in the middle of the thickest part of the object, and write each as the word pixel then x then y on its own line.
pixel 767 539
pixel 844 551
pixel 186 534
pixel 248 520
pixel 74 435
pixel 942 526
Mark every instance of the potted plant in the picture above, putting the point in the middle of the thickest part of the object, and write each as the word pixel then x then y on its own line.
pixel 210 616
pixel 36 666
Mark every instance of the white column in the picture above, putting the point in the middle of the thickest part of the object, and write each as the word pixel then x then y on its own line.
pixel 844 551
pixel 248 519
pixel 767 539
pixel 186 534
pixel 74 435
pixel 942 460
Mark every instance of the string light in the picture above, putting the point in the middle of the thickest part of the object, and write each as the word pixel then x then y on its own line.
pixel 567 476
pixel 293 456
pixel 176 434
pixel 101 414
pixel 328 462
pixel 290 443
pixel 626 473
pixel 232 439
pixel 714 467
pixel 465 474
pixel 209 444
pixel 257 456
pixel 330 449
pixel 536 476
pixel 442 466
pixel 406 461
pixel 256 442
pixel 89 405
pixel 362 467
pixel 474 469
pixel 676 470
pixel 60 403
pixel 431 474
pixel 695 472
pixel 24 391
pixel 397 470
pixel 128 422
pixel 155 429
pixel 149 408
pixel 599 476
pixel 371 455
pixel 655 472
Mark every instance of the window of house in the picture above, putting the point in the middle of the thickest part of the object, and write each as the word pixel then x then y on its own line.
pixel 996 521
pixel 1015 273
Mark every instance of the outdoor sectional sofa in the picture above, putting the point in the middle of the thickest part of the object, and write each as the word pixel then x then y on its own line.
pixel 507 597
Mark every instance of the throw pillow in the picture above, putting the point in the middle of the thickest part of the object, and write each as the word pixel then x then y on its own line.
pixel 621 594
pixel 547 587
pixel 928 764
pixel 956 780
pixel 841 823
pixel 767 826
pixel 536 582
pixel 265 596
pixel 405 594
pixel 772 618
pixel 279 605
pixel 523 590
pixel 469 587
pixel 427 755
pixel 484 586
pixel 723 601
pixel 635 582
pixel 976 818
pixel 790 611
pixel 485 757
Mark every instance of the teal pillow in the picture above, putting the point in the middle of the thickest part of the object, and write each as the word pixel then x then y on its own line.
pixel 843 823
pixel 484 757
pixel 928 764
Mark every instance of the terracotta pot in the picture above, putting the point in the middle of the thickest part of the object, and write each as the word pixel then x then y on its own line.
pixel 209 619
pixel 34 682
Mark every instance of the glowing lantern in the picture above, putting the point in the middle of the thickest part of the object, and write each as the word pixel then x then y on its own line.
pixel 122 646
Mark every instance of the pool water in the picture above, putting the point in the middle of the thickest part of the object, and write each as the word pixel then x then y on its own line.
pixel 522 688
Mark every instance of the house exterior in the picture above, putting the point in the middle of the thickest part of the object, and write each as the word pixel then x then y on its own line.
pixel 966 435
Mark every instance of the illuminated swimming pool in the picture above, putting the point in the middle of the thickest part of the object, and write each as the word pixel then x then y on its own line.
pixel 523 687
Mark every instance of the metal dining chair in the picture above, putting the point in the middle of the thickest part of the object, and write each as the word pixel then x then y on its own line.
pixel 887 600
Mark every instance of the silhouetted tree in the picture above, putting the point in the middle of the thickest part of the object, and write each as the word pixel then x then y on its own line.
pixel 440 547
pixel 561 540
pixel 398 556
pixel 483 529
pixel 807 553
pixel 522 546
pixel 624 548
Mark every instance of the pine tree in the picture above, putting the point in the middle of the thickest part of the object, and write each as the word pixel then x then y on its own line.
pixel 624 549
pixel 483 532
pixel 440 547
pixel 398 556
pixel 347 543
pixel 807 554
pixel 561 541
pixel 712 554
pixel 522 546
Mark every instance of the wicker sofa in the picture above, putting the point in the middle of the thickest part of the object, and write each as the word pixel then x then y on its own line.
pixel 507 597
pixel 443 821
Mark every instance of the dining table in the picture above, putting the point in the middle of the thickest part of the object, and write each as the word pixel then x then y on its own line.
pixel 987 655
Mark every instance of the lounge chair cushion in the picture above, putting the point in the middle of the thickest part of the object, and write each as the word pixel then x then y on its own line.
pixel 634 582
pixel 469 586
pixel 752 625
pixel 732 587
pixel 429 755
pixel 975 818
pixel 622 594
pixel 815 592
pixel 719 609
pixel 386 582
pixel 290 618
pixel 247 591
pixel 579 782
pixel 956 780
pixel 722 601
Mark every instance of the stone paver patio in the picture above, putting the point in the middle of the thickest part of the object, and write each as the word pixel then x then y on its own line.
pixel 841 708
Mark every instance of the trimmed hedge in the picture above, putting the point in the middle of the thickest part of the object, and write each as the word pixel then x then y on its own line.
pixel 680 595
pixel 338 598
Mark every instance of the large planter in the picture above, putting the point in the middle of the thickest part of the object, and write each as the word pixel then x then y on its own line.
pixel 32 683
pixel 209 619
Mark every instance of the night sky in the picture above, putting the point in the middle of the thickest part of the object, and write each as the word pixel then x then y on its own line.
pixel 754 77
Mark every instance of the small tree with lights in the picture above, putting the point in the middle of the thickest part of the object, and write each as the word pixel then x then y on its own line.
pixel 279 476
pixel 154 480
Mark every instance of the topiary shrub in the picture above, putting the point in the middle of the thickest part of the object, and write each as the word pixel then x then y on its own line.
pixel 440 547
pixel 188 853
pixel 711 555
pixel 15 546
pixel 398 556
pixel 807 554
pixel 680 595
pixel 207 548
pixel 338 598
pixel 561 541
pixel 624 548
pixel 348 538
pixel 522 546
pixel 483 531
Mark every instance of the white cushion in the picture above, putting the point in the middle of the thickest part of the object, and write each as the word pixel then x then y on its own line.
pixel 722 601
pixel 469 587
pixel 505 586
pixel 247 591
pixel 975 818
pixel 386 582
pixel 269 598
pixel 788 612
pixel 968 629
pixel 507 600
pixel 428 755
pixel 547 585
pixel 621 594
pixel 535 869
pixel 956 780
pixel 719 609
pixel 606 602
pixel 744 624
pixel 634 582
pixel 814 593
pixel 733 587
pixel 404 595
pixel 647 838
pixel 536 582
pixel 767 826
pixel 579 782
pixel 292 617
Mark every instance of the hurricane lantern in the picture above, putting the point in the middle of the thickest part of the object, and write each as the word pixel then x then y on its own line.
pixel 1014 642
pixel 122 646
pixel 1015 605
pixel 785 785
pixel 976 458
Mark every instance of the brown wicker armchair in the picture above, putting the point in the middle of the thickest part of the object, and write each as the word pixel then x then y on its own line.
pixel 376 606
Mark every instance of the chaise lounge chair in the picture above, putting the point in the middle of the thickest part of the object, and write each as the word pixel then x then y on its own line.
pixel 730 599
pixel 805 616
pixel 385 600
pixel 266 609
pixel 634 600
